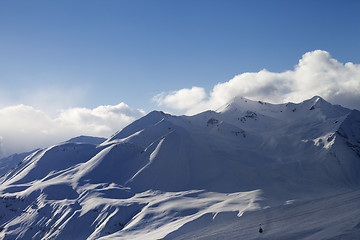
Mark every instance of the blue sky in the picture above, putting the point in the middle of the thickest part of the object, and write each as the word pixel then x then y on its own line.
pixel 91 67
pixel 106 52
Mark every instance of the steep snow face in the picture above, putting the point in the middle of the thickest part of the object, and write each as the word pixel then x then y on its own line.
pixel 10 162
pixel 349 130
pixel 167 174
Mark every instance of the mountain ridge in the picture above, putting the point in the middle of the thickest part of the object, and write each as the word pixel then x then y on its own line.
pixel 164 172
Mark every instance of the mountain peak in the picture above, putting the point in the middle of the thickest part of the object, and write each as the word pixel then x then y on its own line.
pixel 316 100
pixel 87 139
pixel 324 108
pixel 148 120
pixel 241 104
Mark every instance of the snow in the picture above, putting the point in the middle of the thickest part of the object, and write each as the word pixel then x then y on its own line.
pixel 294 168
pixel 334 217
pixel 10 162
pixel 170 211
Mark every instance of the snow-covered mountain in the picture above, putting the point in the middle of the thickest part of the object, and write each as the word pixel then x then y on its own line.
pixel 191 177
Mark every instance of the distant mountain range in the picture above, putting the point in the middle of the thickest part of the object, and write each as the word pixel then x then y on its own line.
pixel 290 166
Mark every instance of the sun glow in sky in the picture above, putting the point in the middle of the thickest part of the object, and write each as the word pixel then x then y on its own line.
pixel 91 67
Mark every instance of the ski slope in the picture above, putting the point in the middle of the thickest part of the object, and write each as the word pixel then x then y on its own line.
pixel 331 217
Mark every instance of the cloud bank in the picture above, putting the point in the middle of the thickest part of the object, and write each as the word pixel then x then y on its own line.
pixel 24 128
pixel 317 73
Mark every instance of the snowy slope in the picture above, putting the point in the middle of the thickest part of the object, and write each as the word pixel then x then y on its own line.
pixel 10 162
pixel 172 176
pixel 335 217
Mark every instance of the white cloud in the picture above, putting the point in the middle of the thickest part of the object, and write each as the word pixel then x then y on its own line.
pixel 24 128
pixel 315 74
pixel 182 99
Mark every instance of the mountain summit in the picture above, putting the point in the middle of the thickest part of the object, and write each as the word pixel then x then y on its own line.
pixel 164 175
